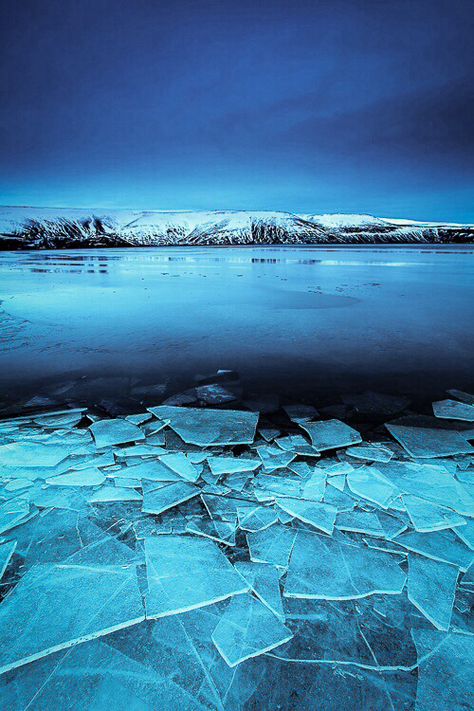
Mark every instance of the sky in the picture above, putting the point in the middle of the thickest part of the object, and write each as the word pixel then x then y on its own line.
pixel 362 106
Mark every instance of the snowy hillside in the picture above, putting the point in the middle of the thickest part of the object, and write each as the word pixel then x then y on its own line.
pixel 43 228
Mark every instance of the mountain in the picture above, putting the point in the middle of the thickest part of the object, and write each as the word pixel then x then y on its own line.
pixel 59 228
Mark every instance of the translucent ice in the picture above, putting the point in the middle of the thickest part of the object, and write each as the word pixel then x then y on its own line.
pixel 453 410
pixel 157 500
pixel 322 568
pixel 265 583
pixel 431 588
pixel 232 465
pixel 205 427
pixel 248 629
pixel 427 516
pixel 329 434
pixel 321 516
pixel 426 442
pixel 119 431
pixel 185 573
pixel 272 545
pixel 443 546
pixel 371 484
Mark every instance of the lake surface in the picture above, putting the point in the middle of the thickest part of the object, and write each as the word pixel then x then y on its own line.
pixel 298 322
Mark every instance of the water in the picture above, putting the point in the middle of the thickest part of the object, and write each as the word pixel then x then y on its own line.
pixel 295 321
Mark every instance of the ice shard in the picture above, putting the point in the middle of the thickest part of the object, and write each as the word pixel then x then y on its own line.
pixel 109 432
pixel 371 484
pixel 431 588
pixel 326 569
pixel 321 516
pixel 205 427
pixel 330 434
pixel 60 606
pixel 453 410
pixel 272 545
pixel 164 497
pixel 427 516
pixel 425 442
pixel 185 573
pixel 265 583
pixel 248 629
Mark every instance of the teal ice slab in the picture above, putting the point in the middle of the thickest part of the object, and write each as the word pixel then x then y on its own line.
pixel 326 569
pixel 248 629
pixel 321 516
pixel 232 465
pixel 264 579
pixel 164 497
pixel 185 573
pixel 330 434
pixel 453 410
pixel 372 485
pixel 431 588
pixel 272 545
pixel 205 427
pixel 424 442
pixel 118 431
pixel 60 606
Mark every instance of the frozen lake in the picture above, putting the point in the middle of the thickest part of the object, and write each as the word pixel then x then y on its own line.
pixel 291 320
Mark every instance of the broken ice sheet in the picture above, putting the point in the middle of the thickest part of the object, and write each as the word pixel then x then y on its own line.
pixel 61 606
pixel 271 545
pixel 13 512
pixel 82 477
pixel 248 629
pixel 205 427
pixel 34 454
pixel 426 442
pixel 321 516
pixel 118 431
pixel 300 413
pixel 330 434
pixel 429 482
pixel 108 494
pixel 431 588
pixel 453 410
pixel 180 464
pixel 232 465
pixel 253 517
pixel 445 670
pixel 370 452
pixel 443 546
pixel 322 568
pixel 264 580
pixel 152 470
pixel 158 498
pixel 466 533
pixel 370 484
pixel 6 552
pixel 219 531
pixel 274 458
pixel 359 521
pixel 427 516
pixel 184 573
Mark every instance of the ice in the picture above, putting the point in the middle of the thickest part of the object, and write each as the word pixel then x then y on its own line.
pixel 268 433
pixel 232 465
pixel 114 493
pixel 6 552
pixel 370 452
pixel 325 569
pixel 180 464
pixel 271 545
pixel 274 458
pixel 442 546
pixel 298 445
pixel 431 588
pixel 13 512
pixel 426 516
pixel 429 482
pixel 219 531
pixel 205 427
pixel 264 580
pixel 330 434
pixel 461 395
pixel 426 442
pixel 248 629
pixel 359 521
pixel 109 432
pixel 466 533
pixel 453 410
pixel 60 606
pixel 186 573
pixel 152 470
pixel 34 455
pixel 445 670
pixel 371 484
pixel 315 486
pixel 253 517
pixel 164 497
pixel 82 477
pixel 321 516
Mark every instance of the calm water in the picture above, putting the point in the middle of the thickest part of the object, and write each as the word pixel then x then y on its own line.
pixel 295 321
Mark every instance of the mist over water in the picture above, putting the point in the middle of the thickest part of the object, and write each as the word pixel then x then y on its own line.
pixel 301 323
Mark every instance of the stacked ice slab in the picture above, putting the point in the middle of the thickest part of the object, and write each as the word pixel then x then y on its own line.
pixel 204 558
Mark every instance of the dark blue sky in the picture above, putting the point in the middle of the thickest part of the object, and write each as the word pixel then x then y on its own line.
pixel 307 106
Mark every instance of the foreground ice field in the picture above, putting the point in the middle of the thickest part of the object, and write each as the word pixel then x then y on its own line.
pixel 193 557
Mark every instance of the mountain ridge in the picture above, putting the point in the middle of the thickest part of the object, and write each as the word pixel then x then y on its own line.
pixel 60 228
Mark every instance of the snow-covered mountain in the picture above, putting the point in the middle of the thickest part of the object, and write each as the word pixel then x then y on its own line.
pixel 43 228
